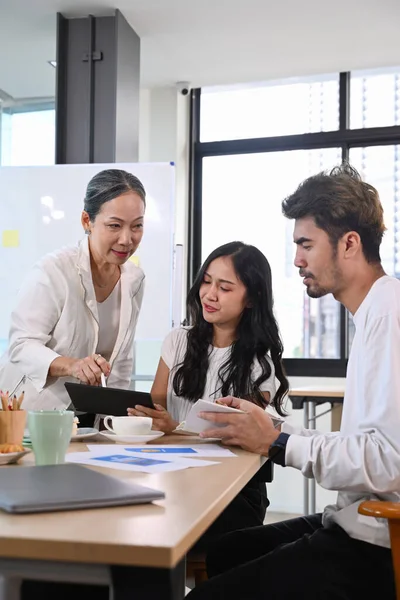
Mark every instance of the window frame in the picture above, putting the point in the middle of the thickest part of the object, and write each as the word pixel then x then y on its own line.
pixel 344 138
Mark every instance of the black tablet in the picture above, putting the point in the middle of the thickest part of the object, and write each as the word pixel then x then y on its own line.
pixel 105 400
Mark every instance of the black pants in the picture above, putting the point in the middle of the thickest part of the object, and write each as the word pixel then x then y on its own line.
pixel 296 559
pixel 246 510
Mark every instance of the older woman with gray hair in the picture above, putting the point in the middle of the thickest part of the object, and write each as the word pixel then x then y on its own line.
pixel 76 313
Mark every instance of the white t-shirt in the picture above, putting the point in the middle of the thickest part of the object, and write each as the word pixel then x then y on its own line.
pixel 362 461
pixel 109 317
pixel 173 352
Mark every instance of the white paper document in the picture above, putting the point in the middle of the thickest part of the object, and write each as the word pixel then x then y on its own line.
pixel 276 419
pixel 126 461
pixel 166 451
pixel 194 424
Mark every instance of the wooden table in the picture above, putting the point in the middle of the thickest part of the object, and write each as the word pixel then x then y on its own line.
pixel 137 547
pixel 308 398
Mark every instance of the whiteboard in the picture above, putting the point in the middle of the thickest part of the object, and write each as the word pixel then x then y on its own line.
pixel 40 211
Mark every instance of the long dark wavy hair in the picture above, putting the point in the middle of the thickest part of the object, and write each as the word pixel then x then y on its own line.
pixel 257 334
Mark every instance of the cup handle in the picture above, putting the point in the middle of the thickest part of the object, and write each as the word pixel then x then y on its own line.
pixel 106 425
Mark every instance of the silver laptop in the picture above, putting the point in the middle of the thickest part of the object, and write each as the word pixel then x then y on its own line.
pixel 66 487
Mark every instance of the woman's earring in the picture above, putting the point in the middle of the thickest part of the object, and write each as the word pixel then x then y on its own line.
pixel 87 231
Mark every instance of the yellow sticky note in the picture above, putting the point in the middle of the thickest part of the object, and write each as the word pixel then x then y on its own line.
pixel 11 238
pixel 135 260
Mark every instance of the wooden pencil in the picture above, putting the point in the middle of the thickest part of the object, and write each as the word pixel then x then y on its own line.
pixel 20 400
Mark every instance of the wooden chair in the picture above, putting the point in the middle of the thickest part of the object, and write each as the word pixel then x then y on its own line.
pixel 196 567
pixel 196 561
pixel 390 511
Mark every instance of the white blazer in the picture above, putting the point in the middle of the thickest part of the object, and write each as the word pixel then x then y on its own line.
pixel 56 315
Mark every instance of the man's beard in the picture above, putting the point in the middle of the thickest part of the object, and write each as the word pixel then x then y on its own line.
pixel 317 291
pixel 314 290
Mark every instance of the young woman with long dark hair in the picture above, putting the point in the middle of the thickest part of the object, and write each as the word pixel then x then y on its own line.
pixel 232 347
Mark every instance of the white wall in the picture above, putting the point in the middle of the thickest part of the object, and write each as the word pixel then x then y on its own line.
pixel 163 137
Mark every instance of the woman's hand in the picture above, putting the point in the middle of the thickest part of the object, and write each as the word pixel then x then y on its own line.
pixel 88 369
pixel 162 420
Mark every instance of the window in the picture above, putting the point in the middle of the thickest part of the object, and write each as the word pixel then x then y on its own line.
pixel 267 110
pixel 309 327
pixel 27 135
pixel 375 98
pixel 379 165
pixel 252 145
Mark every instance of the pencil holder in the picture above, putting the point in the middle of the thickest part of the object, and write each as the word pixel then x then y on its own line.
pixel 12 426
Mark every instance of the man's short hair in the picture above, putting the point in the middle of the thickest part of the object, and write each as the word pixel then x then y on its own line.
pixel 339 201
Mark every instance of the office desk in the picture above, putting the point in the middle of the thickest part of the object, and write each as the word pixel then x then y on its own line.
pixel 140 548
pixel 308 398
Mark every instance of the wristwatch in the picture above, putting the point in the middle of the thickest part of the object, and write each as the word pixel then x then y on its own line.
pixel 277 450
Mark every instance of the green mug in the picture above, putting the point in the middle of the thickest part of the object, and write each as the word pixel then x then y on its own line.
pixel 50 432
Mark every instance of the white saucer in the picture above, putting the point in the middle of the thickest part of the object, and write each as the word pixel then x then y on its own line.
pixel 132 439
pixel 83 433
pixel 12 457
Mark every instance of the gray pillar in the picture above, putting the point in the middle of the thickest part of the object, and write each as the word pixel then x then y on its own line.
pixel 97 104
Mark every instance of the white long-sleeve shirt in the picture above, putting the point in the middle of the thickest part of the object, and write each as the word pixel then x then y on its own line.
pixel 362 461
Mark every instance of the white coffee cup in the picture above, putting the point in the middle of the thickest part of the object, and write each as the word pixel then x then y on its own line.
pixel 128 425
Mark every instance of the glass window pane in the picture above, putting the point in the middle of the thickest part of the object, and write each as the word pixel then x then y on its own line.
pixel 242 197
pixel 27 137
pixel 351 331
pixel 274 109
pixel 375 98
pixel 379 165
pixel 28 45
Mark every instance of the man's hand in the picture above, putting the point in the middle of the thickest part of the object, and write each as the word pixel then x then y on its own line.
pixel 253 431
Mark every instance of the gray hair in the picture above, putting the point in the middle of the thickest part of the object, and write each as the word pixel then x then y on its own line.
pixel 110 184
